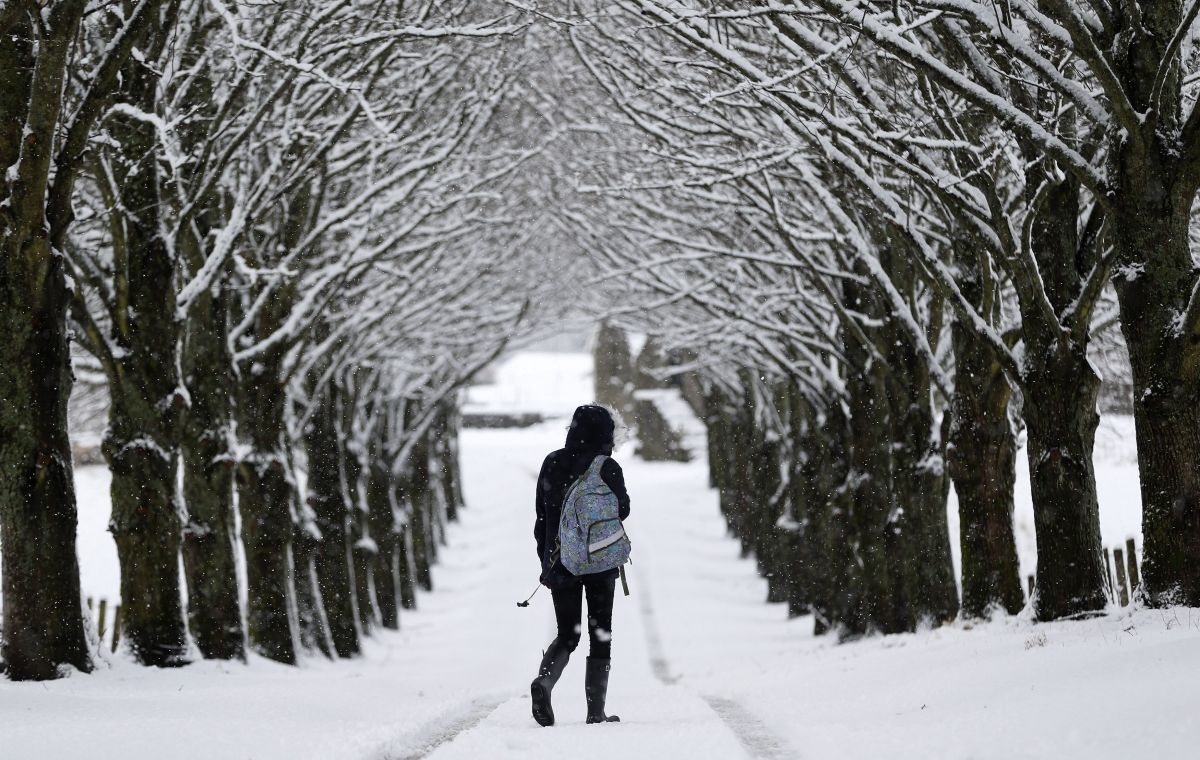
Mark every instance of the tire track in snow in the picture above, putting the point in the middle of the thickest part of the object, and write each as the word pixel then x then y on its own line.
pixel 756 737
pixel 428 739
pixel 658 660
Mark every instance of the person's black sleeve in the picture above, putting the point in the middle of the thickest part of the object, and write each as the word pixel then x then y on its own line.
pixel 615 479
pixel 539 526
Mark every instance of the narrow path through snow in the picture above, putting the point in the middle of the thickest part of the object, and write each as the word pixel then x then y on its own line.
pixel 704 668
pixel 426 740
pixel 661 715
pixel 660 718
pixel 756 738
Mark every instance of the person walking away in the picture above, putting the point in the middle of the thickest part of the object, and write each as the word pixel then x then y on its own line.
pixel 590 436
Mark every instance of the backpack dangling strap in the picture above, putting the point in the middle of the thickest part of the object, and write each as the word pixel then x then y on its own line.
pixel 624 583
pixel 531 596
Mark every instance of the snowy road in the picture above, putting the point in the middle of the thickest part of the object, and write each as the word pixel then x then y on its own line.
pixel 454 681
pixel 492 564
pixel 702 667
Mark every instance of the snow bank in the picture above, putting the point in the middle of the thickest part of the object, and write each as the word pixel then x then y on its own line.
pixel 1120 686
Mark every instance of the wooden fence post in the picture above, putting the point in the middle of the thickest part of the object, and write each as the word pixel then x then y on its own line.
pixel 1135 579
pixel 116 634
pixel 1112 586
pixel 1123 591
pixel 100 615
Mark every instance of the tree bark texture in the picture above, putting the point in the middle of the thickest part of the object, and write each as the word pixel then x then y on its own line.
pixel 209 444
pixel 1060 412
pixel 919 478
pixel 381 517
pixel 1166 382
pixel 147 401
pixel 981 455
pixel 768 494
pixel 446 454
pixel 406 562
pixel 363 547
pixel 800 554
pixel 265 502
pixel 1060 389
pixel 43 621
pixel 418 498
pixel 1154 176
pixel 837 577
pixel 43 618
pixel 209 461
pixel 877 601
pixel 332 554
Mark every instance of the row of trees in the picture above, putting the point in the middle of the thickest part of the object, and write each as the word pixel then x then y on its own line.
pixel 887 236
pixel 265 226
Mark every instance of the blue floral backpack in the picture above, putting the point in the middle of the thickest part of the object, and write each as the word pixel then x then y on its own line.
pixel 591 538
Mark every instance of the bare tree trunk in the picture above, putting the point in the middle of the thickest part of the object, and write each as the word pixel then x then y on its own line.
pixel 1152 245
pixel 416 494
pixel 922 487
pixel 407 563
pixel 209 445
pixel 735 481
pixel 332 554
pixel 919 474
pixel 383 527
pixel 1166 383
pixel 879 603
pixel 614 375
pixel 43 618
pixel 716 431
pixel 801 561
pixel 407 498
pixel 1155 177
pixel 364 549
pixel 836 584
pixel 981 455
pixel 445 448
pixel 1059 389
pixel 209 459
pixel 767 497
pixel 312 623
pixel 265 499
pixel 145 418
pixel 1060 411
pixel 43 625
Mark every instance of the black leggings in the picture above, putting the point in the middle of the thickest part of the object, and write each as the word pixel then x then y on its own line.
pixel 568 612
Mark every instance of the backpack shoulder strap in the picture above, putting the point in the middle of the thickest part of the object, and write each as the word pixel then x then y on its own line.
pixel 578 481
pixel 597 463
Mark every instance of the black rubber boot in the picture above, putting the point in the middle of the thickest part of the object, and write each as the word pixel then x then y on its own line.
pixel 595 688
pixel 553 662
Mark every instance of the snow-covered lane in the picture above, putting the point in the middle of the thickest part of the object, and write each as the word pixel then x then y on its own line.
pixel 702 668
pixel 658 720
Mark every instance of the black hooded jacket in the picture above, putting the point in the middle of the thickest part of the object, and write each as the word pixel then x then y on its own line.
pixel 590 434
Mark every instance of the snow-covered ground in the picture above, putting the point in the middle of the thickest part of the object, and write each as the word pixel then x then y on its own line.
pixel 703 668
pixel 538 382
